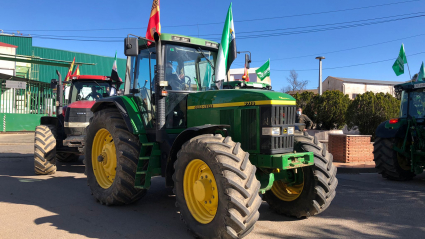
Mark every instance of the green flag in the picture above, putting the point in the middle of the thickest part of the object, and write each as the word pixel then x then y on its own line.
pixel 421 75
pixel 398 65
pixel 264 70
pixel 227 51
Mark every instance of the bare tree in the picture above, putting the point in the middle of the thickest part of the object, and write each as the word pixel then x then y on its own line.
pixel 294 82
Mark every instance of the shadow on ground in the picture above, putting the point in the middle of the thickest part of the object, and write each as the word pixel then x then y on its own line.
pixel 366 206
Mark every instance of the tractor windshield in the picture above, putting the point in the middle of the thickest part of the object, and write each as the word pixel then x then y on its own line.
pixel 89 90
pixel 413 104
pixel 187 69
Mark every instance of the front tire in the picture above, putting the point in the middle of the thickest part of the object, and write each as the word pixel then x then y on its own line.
pixel 230 208
pixel 317 190
pixel 45 150
pixel 111 156
pixel 389 163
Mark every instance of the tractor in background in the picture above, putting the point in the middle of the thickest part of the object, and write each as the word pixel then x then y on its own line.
pixel 399 148
pixel 217 149
pixel 61 137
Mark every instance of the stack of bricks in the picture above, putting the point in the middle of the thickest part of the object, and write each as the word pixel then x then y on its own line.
pixel 350 148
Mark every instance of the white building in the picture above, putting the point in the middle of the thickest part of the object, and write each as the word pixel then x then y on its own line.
pixel 7 67
pixel 354 87
pixel 236 74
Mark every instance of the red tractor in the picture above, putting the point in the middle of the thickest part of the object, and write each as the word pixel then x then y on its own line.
pixel 61 138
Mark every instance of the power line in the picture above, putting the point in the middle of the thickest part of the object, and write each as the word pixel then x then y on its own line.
pixel 213 23
pixel 361 64
pixel 321 25
pixel 342 50
pixel 325 29
pixel 299 15
pixel 96 38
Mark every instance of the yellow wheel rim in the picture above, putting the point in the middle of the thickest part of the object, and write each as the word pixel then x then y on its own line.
pixel 104 158
pixel 200 191
pixel 285 192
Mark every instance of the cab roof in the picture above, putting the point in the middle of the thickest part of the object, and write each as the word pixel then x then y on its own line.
pixel 91 77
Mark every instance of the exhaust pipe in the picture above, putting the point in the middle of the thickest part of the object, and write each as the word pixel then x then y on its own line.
pixel 159 99
pixel 59 102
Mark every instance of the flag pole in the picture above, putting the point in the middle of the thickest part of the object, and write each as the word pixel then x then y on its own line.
pixel 409 70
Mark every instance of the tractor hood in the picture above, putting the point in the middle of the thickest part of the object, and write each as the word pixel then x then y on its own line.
pixel 82 104
pixel 231 98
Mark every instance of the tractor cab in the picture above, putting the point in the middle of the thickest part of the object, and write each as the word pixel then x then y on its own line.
pixel 412 96
pixel 187 69
pixel 80 94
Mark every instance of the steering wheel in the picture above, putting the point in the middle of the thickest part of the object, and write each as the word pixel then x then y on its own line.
pixel 190 82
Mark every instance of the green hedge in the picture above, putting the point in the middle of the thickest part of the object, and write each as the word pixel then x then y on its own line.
pixel 334 110
pixel 368 110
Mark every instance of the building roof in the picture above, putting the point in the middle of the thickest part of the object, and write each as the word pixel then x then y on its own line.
pixel 362 81
pixel 7 45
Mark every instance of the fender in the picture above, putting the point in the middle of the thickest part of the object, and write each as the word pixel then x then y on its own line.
pixel 385 131
pixel 48 120
pixel 128 106
pixel 181 139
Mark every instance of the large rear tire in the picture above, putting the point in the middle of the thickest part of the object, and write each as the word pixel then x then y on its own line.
pixel 318 189
pixel 45 150
pixel 111 156
pixel 226 204
pixel 390 164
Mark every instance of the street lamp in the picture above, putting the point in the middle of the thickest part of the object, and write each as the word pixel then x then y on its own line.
pixel 320 73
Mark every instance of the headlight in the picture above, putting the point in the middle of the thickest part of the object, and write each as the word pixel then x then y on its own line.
pixel 291 130
pixel 271 131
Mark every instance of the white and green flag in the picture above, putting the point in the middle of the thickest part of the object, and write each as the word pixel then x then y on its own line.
pixel 264 70
pixel 227 50
pixel 398 65
pixel 114 73
pixel 421 75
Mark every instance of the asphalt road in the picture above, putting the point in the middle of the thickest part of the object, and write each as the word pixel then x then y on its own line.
pixel 61 206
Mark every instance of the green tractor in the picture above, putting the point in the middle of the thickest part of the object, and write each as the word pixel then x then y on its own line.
pixel 218 149
pixel 399 148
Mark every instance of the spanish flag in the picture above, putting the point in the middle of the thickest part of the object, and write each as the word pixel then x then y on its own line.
pixel 154 25
pixel 77 71
pixel 70 70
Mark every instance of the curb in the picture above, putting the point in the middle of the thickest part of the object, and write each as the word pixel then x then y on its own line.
pixel 355 168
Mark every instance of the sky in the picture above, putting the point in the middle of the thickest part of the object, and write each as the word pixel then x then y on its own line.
pixel 309 29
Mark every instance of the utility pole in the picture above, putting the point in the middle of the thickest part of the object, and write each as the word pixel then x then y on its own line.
pixel 320 73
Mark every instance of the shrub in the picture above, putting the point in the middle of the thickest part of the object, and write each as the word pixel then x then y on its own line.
pixel 368 110
pixel 331 108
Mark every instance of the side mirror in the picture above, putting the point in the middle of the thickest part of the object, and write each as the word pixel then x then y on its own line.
pixel 53 84
pixel 131 46
pixel 247 61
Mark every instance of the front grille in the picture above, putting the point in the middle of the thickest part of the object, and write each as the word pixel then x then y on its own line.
pixel 277 116
pixel 249 129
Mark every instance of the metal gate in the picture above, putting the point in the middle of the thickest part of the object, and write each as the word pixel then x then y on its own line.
pixel 21 109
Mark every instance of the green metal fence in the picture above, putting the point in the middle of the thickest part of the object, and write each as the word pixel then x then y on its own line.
pixel 21 109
